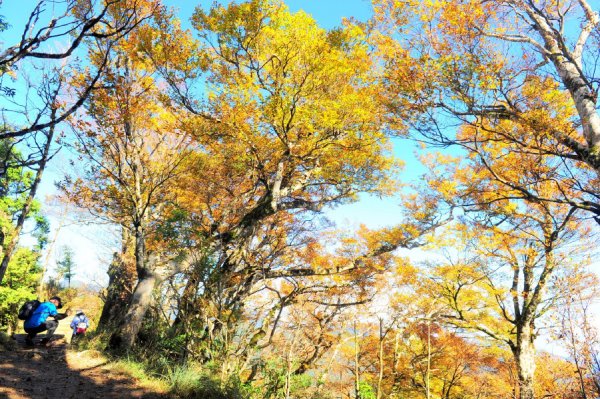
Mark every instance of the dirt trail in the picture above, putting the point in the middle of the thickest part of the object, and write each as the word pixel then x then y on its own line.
pixel 52 372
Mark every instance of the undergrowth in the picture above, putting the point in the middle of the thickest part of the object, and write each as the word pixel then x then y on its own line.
pixel 179 380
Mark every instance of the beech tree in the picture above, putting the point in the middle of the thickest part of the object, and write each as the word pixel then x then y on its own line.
pixel 507 251
pixel 523 73
pixel 132 148
pixel 290 125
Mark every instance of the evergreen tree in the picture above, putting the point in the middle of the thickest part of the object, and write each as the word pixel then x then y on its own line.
pixel 65 266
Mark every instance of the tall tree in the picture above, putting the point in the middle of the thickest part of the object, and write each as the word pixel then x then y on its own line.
pixel 276 141
pixel 576 329
pixel 22 274
pixel 507 251
pixel 291 124
pixel 133 148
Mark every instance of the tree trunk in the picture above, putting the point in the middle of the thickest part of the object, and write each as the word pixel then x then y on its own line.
pixel 122 276
pixel 191 318
pixel 124 337
pixel 381 365
pixel 121 283
pixel 187 302
pixel 524 354
pixel 581 91
pixel 356 362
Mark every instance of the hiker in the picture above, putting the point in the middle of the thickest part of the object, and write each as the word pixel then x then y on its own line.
pixel 79 324
pixel 38 321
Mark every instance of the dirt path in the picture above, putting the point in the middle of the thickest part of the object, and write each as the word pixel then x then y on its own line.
pixel 52 372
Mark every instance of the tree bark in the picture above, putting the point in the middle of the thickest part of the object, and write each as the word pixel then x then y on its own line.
pixel 126 333
pixel 356 363
pixel 381 365
pixel 122 277
pixel 125 336
pixel 187 301
pixel 524 354
pixel 568 66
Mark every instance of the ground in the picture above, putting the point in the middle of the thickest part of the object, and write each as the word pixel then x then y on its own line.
pixel 54 371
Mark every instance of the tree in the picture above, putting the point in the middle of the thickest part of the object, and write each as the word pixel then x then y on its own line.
pixel 9 244
pixel 507 251
pixel 122 278
pixel 556 377
pixel 274 142
pixel 291 124
pixel 18 287
pixel 80 23
pixel 34 109
pixel 133 148
pixel 523 73
pixel 501 288
pixel 576 330
pixel 65 266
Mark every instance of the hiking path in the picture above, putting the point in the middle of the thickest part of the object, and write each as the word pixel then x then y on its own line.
pixel 54 372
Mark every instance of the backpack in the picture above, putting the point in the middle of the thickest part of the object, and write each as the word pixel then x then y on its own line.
pixel 27 309
pixel 81 327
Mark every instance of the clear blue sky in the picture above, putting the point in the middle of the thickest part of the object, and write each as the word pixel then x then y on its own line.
pixel 328 13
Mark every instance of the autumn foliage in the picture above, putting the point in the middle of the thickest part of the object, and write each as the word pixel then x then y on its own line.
pixel 216 149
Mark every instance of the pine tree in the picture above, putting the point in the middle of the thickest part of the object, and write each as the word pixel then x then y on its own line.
pixel 65 267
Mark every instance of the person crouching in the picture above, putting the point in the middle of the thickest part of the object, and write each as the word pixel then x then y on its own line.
pixel 39 322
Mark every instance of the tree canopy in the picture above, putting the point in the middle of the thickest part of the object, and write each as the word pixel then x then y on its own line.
pixel 217 147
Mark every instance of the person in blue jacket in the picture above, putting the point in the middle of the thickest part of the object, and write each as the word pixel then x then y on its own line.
pixel 80 323
pixel 39 322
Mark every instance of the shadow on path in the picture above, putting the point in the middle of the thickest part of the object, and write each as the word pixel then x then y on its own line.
pixel 43 372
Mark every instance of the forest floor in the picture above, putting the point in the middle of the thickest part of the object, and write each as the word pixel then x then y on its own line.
pixel 54 371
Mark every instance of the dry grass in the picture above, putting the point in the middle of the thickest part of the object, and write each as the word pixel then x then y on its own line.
pixel 130 370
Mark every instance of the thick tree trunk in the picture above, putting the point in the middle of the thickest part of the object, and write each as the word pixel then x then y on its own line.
pixel 568 66
pixel 187 302
pixel 524 354
pixel 124 337
pixel 121 282
pixel 191 319
pixel 122 277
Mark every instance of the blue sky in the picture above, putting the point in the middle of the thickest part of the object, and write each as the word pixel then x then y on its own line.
pixel 93 244
pixel 328 13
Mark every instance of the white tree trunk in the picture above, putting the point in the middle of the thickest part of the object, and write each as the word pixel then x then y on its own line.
pixel 524 353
